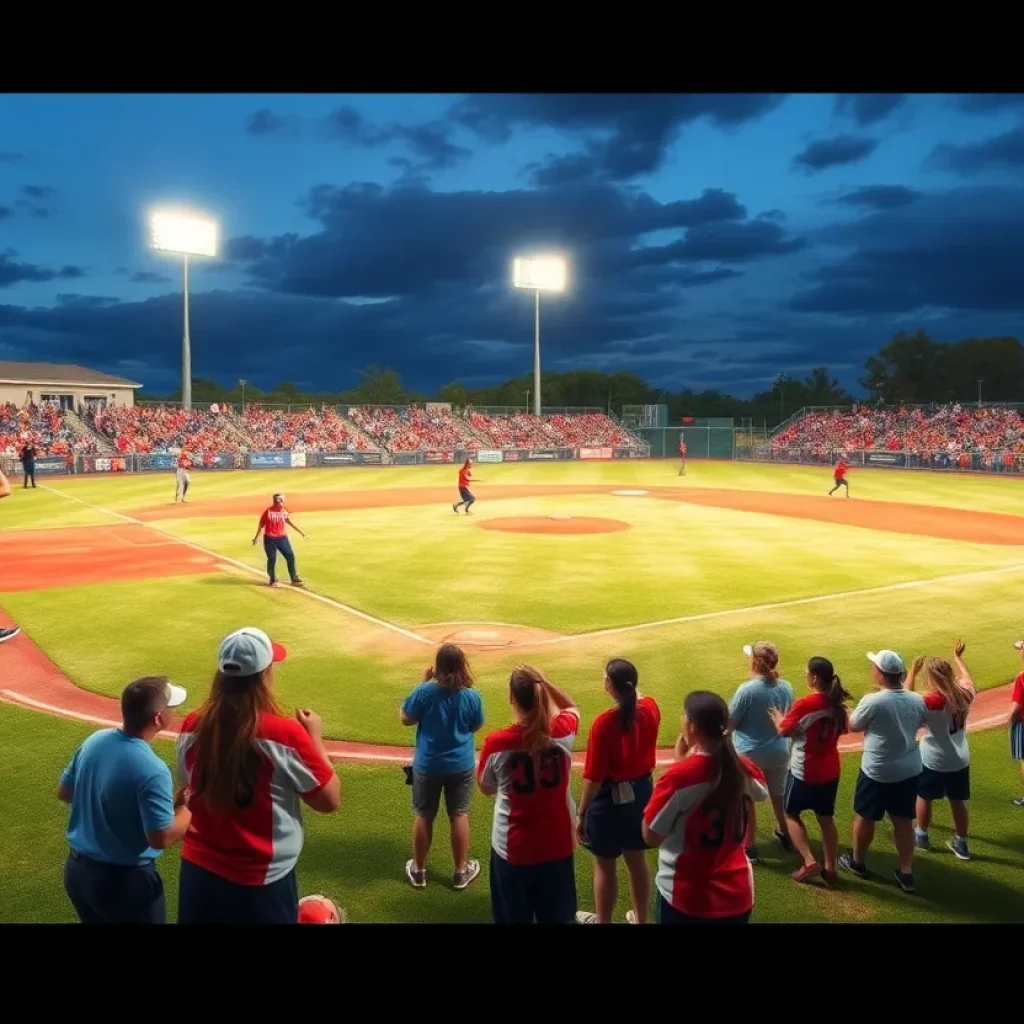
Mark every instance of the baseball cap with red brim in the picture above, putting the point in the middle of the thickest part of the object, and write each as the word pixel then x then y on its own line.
pixel 247 652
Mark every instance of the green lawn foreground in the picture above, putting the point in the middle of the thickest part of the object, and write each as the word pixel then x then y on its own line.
pixel 357 856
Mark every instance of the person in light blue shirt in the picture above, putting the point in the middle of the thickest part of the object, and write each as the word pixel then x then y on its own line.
pixel 755 735
pixel 447 712
pixel 123 812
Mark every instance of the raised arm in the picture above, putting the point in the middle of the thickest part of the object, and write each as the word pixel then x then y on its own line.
pixel 559 698
pixel 964 677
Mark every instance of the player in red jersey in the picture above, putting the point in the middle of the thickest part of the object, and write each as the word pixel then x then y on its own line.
pixel 839 476
pixel 682 457
pixel 815 723
pixel 181 476
pixel 248 769
pixel 621 753
pixel 274 525
pixel 465 475
pixel 527 766
pixel 1017 722
pixel 5 492
pixel 697 818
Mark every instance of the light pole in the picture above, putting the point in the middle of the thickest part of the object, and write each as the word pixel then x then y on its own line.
pixel 780 382
pixel 243 383
pixel 186 234
pixel 980 382
pixel 538 274
pixel 527 399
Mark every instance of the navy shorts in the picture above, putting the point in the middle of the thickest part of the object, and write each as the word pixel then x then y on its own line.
pixel 465 495
pixel 1017 740
pixel 614 828
pixel 533 893
pixel 932 785
pixel 114 894
pixel 206 898
pixel 667 914
pixel 819 798
pixel 874 800
pixel 840 481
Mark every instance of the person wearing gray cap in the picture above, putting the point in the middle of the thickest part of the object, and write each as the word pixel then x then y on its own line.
pixel 889 768
pixel 124 812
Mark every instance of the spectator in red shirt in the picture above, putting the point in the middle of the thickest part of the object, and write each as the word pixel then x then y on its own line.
pixel 617 783
pixel 814 723
pixel 697 818
pixel 527 766
pixel 247 767
pixel 1017 722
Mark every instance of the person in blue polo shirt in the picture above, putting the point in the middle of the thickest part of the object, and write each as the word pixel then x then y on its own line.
pixel 123 811
pixel 446 711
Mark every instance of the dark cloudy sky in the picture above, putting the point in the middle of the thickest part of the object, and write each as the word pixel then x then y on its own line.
pixel 714 240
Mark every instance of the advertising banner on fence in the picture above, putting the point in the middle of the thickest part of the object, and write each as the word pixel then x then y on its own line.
pixel 488 456
pixel 433 458
pixel 510 456
pixel 407 458
pixel 885 459
pixel 158 460
pixel 51 464
pixel 103 464
pixel 270 460
pixel 298 460
pixel 547 454
pixel 339 458
pixel 595 453
pixel 632 453
pixel 370 458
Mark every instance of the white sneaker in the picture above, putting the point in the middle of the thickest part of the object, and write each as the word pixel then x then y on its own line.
pixel 631 917
pixel 585 917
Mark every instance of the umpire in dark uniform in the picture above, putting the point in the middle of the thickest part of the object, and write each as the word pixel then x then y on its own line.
pixel 28 463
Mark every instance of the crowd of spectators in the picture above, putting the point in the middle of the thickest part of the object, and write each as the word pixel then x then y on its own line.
pixel 44 428
pixel 410 429
pixel 142 429
pixel 311 430
pixel 958 434
pixel 521 430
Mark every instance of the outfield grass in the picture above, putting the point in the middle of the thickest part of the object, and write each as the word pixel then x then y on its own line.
pixel 419 565
pixel 357 856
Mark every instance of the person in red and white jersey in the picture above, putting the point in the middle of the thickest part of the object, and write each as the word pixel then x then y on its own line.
pixel 274 525
pixel 465 494
pixel 697 818
pixel 248 769
pixel 945 756
pixel 527 766
pixel 617 783
pixel 181 476
pixel 814 724
pixel 1017 721
pixel 839 476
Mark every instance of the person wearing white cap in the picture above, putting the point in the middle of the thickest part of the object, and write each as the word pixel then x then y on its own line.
pixel 124 811
pixel 1017 722
pixel 889 768
pixel 249 768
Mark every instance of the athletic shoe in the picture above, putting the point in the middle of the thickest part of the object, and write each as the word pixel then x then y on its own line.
pixel 297 582
pixel 455 509
pixel 585 917
pixel 751 852
pixel 273 583
pixel 461 879
pixel 631 917
pixel 9 634
pixel 847 863
pixel 784 841
pixel 922 840
pixel 806 872
pixel 830 878
pixel 959 848
pixel 418 879
pixel 904 881
pixel 1019 802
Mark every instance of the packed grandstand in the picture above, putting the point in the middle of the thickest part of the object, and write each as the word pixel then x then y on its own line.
pixel 162 428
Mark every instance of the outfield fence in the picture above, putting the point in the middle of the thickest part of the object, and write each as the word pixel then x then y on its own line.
pixel 701 442
pixel 1001 462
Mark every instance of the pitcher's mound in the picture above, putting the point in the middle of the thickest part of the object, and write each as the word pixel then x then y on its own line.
pixel 484 635
pixel 554 525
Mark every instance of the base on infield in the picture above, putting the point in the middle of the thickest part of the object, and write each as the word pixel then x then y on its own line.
pixel 553 525
pixel 484 635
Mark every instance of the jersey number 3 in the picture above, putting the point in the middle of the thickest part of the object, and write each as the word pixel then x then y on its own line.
pixel 526 776
pixel 714 835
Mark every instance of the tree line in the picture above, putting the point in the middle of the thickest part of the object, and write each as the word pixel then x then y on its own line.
pixel 909 369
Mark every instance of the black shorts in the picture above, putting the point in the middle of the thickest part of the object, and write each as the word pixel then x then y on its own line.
pixel 874 800
pixel 667 914
pixel 613 828
pixel 533 893
pixel 465 495
pixel 840 480
pixel 932 785
pixel 803 796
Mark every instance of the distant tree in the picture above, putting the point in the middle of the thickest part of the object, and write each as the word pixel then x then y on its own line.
pixel 997 362
pixel 910 369
pixel 378 387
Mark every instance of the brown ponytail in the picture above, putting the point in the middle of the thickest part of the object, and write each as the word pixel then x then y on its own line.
pixel 827 682
pixel 709 715
pixel 526 685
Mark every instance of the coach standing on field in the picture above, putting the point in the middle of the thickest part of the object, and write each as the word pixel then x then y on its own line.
pixel 123 812
pixel 274 525
pixel 28 463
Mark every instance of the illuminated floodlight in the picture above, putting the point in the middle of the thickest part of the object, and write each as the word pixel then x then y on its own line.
pixel 540 273
pixel 180 231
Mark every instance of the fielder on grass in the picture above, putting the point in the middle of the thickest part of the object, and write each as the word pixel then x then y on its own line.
pixel 181 477
pixel 274 525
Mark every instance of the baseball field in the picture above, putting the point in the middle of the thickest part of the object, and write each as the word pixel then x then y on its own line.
pixel 562 565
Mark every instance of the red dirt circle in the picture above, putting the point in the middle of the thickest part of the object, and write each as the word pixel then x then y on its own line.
pixel 562 527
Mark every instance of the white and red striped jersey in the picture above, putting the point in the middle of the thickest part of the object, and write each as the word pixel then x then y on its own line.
pixel 703 870
pixel 944 744
pixel 534 814
pixel 259 843
pixel 812 725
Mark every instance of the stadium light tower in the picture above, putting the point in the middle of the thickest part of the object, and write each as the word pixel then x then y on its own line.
pixel 539 274
pixel 186 234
